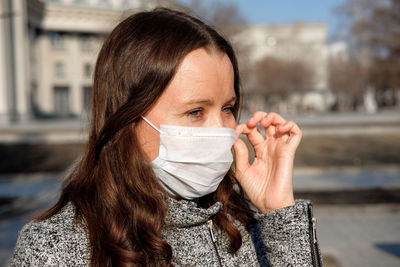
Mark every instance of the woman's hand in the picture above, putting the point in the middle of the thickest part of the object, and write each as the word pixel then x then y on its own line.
pixel 268 181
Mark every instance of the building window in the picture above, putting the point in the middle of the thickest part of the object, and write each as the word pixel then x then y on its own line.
pixel 87 96
pixel 61 100
pixel 87 70
pixel 59 70
pixel 85 42
pixel 57 40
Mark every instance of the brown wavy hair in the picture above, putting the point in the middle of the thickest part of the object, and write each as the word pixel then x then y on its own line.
pixel 113 188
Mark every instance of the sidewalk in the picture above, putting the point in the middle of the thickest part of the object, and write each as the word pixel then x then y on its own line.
pixel 363 235
pixel 360 235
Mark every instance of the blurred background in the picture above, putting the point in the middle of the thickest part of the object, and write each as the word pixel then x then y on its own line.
pixel 331 66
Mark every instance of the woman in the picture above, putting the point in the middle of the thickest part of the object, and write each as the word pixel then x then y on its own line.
pixel 154 187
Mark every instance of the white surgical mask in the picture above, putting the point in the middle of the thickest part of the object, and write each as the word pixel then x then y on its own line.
pixel 192 161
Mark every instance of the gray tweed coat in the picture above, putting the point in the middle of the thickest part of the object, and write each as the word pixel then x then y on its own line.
pixel 284 237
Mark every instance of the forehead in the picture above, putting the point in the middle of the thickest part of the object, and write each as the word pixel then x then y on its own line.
pixel 202 73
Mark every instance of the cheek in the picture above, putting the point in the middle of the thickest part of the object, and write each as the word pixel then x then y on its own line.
pixel 149 140
pixel 230 122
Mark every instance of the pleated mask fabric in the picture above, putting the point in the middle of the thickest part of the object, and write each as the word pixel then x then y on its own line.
pixel 192 161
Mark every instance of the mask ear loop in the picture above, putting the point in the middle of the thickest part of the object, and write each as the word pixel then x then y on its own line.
pixel 151 124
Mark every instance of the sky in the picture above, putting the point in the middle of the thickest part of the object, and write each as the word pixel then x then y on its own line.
pixel 287 11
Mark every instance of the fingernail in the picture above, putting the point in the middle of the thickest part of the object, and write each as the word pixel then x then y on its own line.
pixel 252 120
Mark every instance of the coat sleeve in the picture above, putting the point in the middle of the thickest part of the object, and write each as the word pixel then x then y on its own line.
pixel 289 236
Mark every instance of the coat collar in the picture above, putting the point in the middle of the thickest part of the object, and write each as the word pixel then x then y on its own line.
pixel 185 213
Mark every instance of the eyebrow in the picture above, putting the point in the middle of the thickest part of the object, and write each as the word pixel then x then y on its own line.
pixel 207 102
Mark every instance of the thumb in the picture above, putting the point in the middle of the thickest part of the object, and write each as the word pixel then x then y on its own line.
pixel 241 157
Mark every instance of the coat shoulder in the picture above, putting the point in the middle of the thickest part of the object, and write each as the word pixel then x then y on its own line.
pixel 59 240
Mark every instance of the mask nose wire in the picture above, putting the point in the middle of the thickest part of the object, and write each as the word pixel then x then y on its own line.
pixel 151 124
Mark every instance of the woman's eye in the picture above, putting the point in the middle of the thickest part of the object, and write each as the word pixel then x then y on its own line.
pixel 195 113
pixel 228 109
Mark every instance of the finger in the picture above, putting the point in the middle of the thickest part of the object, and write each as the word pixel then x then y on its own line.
pixel 254 135
pixel 283 131
pixel 256 118
pixel 241 158
pixel 293 131
pixel 295 135
pixel 270 131
pixel 270 122
pixel 240 128
pixel 285 127
pixel 272 118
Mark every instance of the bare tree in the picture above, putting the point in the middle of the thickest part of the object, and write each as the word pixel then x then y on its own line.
pixel 271 82
pixel 347 80
pixel 279 77
pixel 226 17
pixel 375 40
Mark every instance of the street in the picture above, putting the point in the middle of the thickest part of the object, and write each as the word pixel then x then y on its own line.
pixel 360 235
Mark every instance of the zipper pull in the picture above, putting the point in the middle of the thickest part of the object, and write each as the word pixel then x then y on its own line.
pixel 210 226
pixel 314 229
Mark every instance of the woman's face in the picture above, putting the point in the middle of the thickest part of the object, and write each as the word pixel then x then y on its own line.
pixel 201 94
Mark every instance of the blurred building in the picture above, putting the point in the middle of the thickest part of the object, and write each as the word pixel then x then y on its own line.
pixel 304 42
pixel 298 42
pixel 48 51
